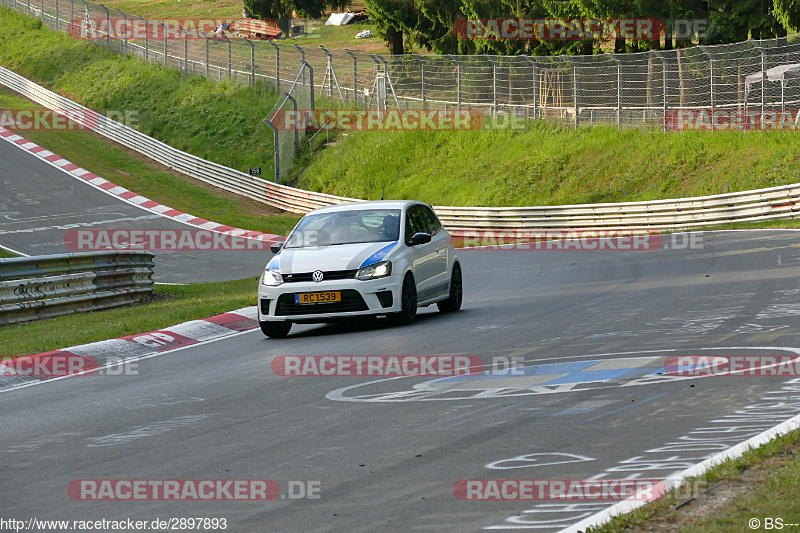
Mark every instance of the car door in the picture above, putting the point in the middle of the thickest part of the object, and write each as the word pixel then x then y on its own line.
pixel 440 240
pixel 423 256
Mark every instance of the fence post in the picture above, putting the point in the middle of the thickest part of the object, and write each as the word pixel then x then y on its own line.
pixel 108 25
pixel 127 31
pixel 57 28
pixel 302 60
pixel 166 50
pixel 146 41
pixel 535 68
pixel 619 88
pixel 660 55
pixel 763 78
pixel 458 80
pixel 277 153
pixel 185 50
pixel 494 83
pixel 71 10
pixel 296 130
pixel 311 79
pixel 711 86
pixel 252 62
pixel 422 80
pixel 277 65
pixel 355 75
pixel 229 57
pixel 41 10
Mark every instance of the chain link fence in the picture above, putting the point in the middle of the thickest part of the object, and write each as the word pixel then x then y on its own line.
pixel 662 89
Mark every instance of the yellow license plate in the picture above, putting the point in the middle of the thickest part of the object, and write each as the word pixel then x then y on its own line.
pixel 317 297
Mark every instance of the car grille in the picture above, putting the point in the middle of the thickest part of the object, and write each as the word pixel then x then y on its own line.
pixel 351 301
pixel 332 275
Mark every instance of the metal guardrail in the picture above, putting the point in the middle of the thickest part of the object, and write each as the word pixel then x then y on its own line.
pixel 747 206
pixel 38 287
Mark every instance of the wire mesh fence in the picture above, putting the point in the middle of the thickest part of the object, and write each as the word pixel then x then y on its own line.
pixel 746 85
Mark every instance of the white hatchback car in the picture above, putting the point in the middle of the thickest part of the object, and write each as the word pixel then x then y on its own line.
pixel 360 259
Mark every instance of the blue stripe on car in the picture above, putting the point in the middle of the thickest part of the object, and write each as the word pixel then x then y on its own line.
pixel 379 255
pixel 274 262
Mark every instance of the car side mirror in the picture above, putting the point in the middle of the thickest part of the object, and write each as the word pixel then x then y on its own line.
pixel 276 247
pixel 420 238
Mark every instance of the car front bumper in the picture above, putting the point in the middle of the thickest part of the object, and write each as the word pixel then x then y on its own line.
pixel 359 298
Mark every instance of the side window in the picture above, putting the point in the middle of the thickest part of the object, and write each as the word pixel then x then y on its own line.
pixel 415 221
pixel 431 222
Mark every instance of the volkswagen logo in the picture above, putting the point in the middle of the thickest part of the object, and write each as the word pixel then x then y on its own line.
pixel 317 276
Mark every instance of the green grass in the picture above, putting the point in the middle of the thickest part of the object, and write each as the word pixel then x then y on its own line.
pixel 177 303
pixel 545 164
pixel 5 255
pixel 149 179
pixel 774 474
pixel 217 120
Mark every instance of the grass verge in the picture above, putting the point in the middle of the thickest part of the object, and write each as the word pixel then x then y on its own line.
pixel 538 163
pixel 170 305
pixel 217 120
pixel 761 483
pixel 142 175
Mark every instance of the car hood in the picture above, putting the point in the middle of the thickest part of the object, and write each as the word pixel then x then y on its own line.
pixel 330 258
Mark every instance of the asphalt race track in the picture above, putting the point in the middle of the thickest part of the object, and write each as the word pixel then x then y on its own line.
pixel 386 453
pixel 39 204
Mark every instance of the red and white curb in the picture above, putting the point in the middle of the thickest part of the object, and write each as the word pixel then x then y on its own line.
pixel 90 359
pixel 124 194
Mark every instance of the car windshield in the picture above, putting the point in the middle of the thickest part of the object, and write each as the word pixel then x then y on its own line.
pixel 346 227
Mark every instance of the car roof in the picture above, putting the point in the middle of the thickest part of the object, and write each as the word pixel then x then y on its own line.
pixel 378 204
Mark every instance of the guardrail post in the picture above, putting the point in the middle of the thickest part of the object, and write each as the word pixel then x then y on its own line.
pixel 355 75
pixel 302 60
pixel 277 65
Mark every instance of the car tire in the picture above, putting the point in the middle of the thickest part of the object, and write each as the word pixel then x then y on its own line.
pixel 453 303
pixel 408 301
pixel 275 330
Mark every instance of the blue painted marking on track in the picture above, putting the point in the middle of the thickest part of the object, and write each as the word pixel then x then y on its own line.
pixel 596 375
pixel 539 370
pixel 379 255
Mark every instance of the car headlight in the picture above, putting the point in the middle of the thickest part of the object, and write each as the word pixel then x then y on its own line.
pixel 377 270
pixel 271 278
